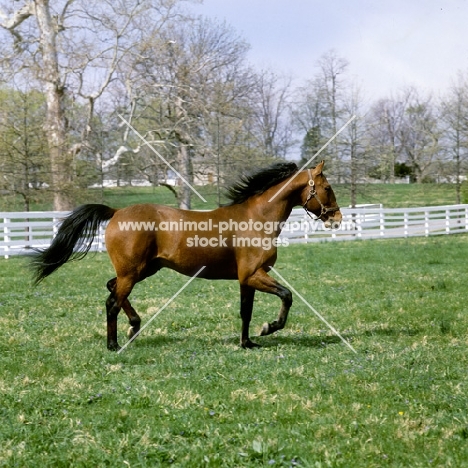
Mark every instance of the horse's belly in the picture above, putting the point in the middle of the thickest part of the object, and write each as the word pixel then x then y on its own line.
pixel 214 264
pixel 203 271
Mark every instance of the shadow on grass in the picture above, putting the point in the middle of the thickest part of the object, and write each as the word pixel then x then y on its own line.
pixel 314 341
pixel 153 341
pixel 306 341
pixel 271 341
pixel 385 331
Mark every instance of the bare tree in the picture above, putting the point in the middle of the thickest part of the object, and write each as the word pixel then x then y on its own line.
pixel 454 114
pixel 309 117
pixel 271 100
pixel 73 49
pixel 352 144
pixel 319 109
pixel 332 69
pixel 385 122
pixel 177 93
pixel 420 134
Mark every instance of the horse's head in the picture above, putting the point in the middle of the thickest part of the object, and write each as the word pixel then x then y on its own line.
pixel 318 198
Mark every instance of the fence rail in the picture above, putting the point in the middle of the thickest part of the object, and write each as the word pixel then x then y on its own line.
pixel 380 223
pixel 23 231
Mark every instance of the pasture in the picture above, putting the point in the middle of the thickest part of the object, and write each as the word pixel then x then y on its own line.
pixel 185 394
pixel 390 195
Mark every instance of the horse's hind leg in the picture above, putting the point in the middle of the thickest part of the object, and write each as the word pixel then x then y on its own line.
pixel 119 288
pixel 112 309
pixel 133 318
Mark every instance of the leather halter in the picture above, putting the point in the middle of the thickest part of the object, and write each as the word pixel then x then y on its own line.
pixel 313 193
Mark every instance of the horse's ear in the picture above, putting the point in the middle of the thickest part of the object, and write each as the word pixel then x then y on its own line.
pixel 318 169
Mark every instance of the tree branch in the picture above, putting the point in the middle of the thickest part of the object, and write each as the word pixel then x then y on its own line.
pixel 10 24
pixel 115 159
pixel 18 16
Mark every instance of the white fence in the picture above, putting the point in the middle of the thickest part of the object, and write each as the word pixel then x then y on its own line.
pixel 23 231
pixel 380 223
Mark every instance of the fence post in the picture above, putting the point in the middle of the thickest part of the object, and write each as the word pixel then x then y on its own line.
pixel 382 223
pixel 6 237
pixel 358 221
pixel 447 221
pixel 405 222
pixel 305 219
pixel 426 223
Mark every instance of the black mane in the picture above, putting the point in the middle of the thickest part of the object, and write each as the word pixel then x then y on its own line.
pixel 257 182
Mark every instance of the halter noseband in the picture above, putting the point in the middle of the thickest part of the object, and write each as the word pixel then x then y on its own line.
pixel 313 193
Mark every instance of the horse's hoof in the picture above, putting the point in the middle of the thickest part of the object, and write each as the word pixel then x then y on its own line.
pixel 265 329
pixel 131 333
pixel 248 344
pixel 113 346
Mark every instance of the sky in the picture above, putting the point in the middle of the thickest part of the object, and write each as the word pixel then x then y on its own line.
pixel 389 44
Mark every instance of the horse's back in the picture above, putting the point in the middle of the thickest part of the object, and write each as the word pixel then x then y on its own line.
pixel 148 237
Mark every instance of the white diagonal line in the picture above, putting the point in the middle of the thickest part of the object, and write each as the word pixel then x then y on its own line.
pixel 312 158
pixel 161 309
pixel 333 329
pixel 160 156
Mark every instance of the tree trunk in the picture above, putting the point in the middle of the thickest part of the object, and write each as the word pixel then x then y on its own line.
pixel 185 170
pixel 353 164
pixel 184 157
pixel 55 125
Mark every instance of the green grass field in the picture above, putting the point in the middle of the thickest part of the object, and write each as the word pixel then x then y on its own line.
pixel 185 394
pixel 390 195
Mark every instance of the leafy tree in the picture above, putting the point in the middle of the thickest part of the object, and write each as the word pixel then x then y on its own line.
pixel 24 163
pixel 403 170
pixel 311 143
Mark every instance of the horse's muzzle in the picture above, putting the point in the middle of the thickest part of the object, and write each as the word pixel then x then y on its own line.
pixel 333 221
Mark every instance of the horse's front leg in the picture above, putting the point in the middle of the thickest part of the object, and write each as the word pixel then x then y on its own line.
pixel 247 299
pixel 261 281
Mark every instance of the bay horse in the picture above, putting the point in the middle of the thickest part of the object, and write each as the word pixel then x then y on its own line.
pixel 142 239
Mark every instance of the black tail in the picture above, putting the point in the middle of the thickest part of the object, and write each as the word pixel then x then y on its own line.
pixel 73 239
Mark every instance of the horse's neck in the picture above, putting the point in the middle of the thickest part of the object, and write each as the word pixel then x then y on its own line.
pixel 277 203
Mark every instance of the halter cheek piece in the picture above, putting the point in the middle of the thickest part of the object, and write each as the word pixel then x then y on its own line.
pixel 313 193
